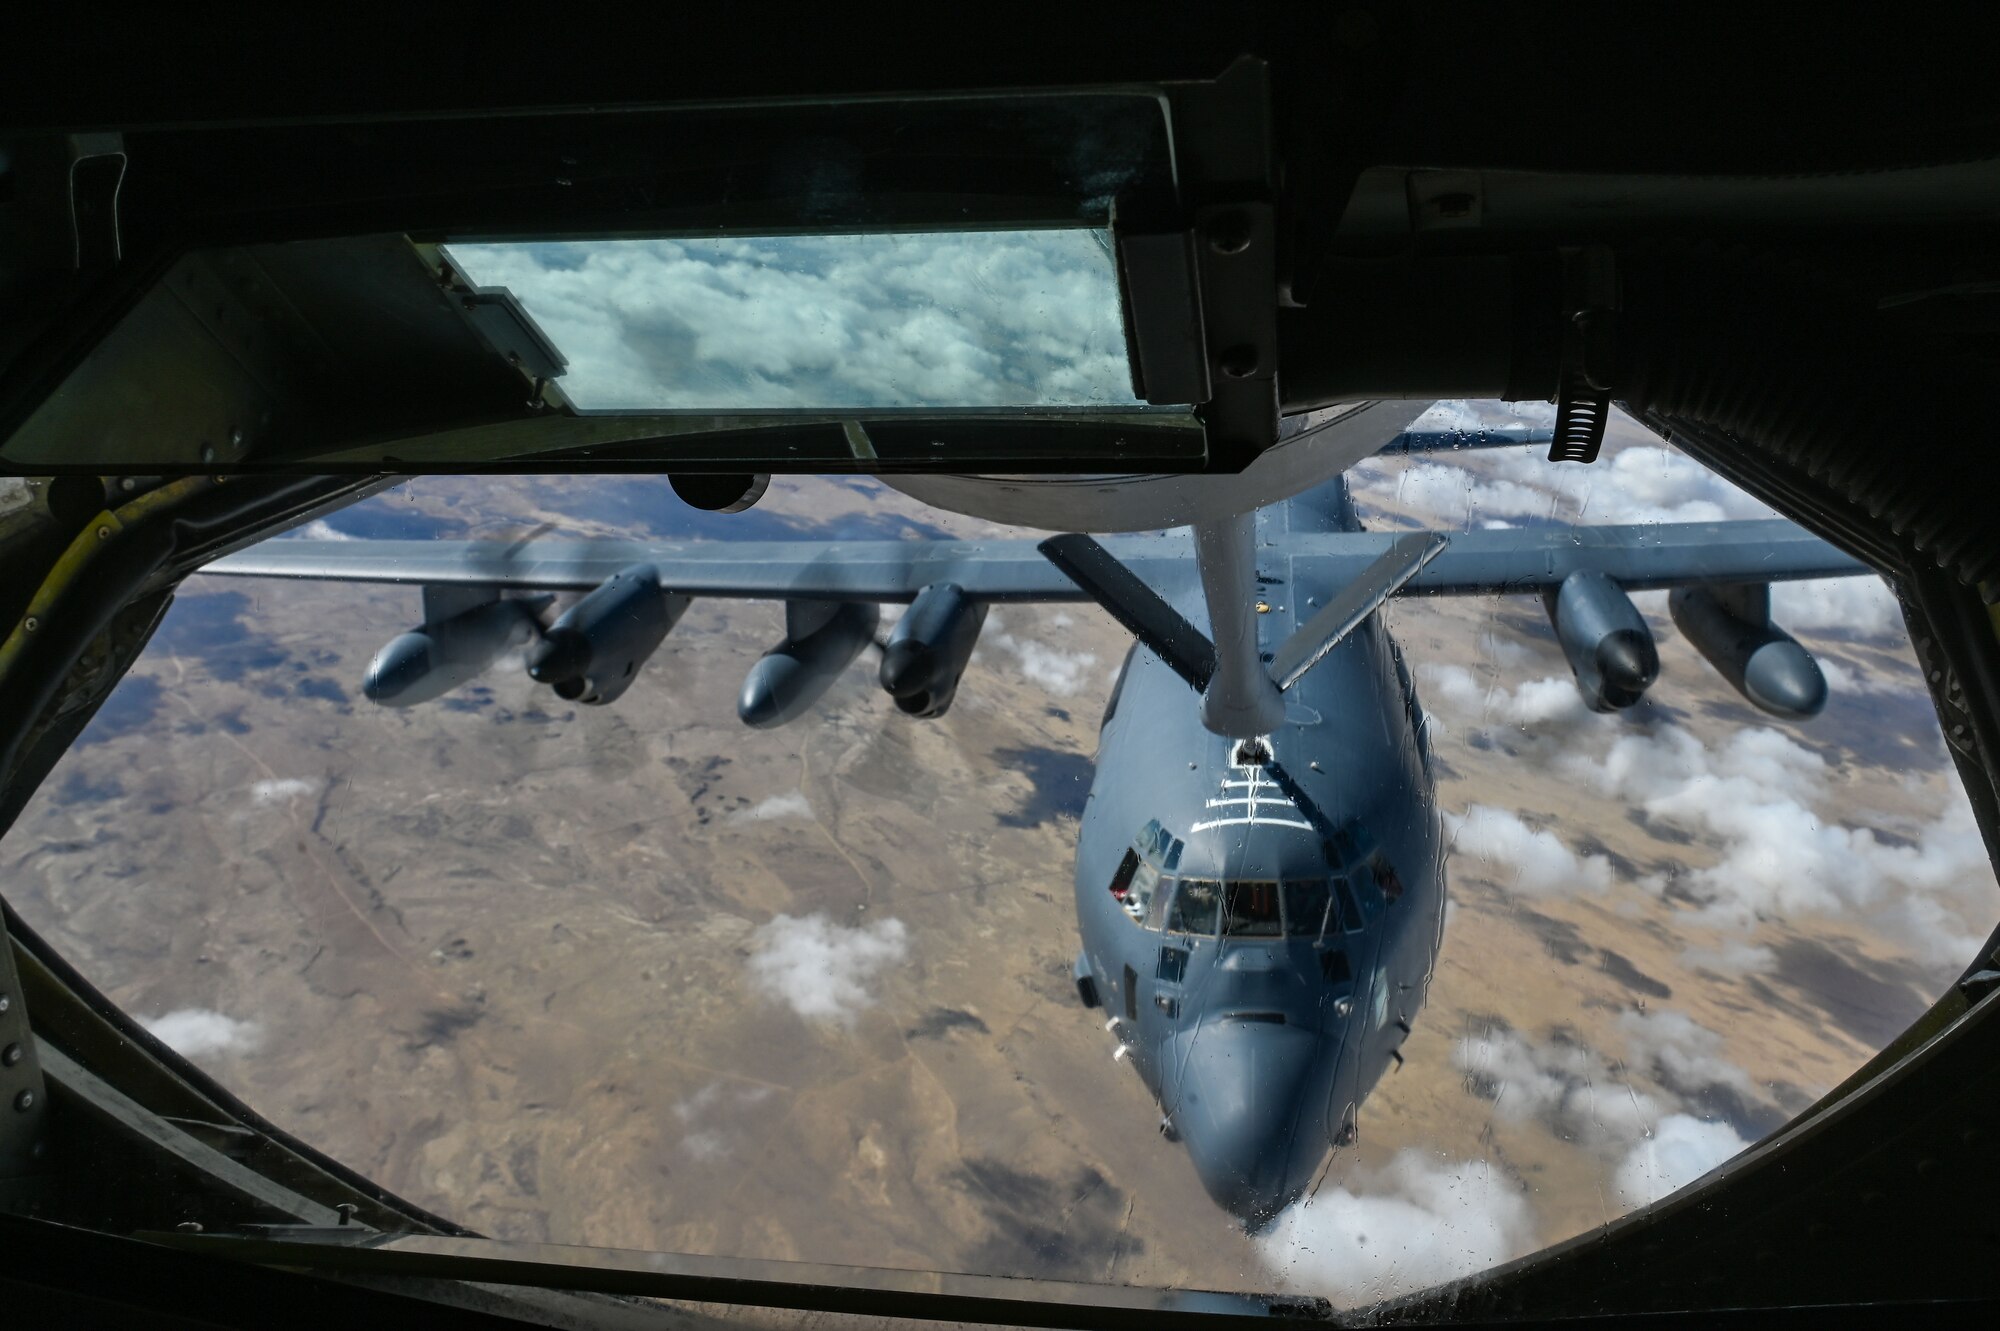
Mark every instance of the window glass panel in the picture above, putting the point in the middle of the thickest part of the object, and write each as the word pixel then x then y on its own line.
pixel 1253 910
pixel 1306 903
pixel 1196 907
pixel 963 319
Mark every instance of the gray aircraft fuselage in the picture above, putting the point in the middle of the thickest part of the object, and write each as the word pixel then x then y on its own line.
pixel 1260 918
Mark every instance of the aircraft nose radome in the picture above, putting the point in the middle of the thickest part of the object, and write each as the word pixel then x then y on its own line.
pixel 397 670
pixel 1244 1101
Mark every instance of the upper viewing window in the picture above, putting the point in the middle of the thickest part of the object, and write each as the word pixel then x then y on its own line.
pixel 948 320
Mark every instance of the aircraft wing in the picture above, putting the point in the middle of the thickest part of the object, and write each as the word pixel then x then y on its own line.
pixel 1485 562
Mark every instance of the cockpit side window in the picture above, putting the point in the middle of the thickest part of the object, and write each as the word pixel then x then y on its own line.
pixel 1253 911
pixel 1307 901
pixel 1121 881
pixel 1196 908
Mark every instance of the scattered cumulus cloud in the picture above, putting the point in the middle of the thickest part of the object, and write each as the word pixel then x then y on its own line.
pixel 1682 1055
pixel 1679 1151
pixel 1563 1085
pixel 1864 607
pixel 823 971
pixel 1060 672
pixel 194 1031
pixel 1524 859
pixel 717 1099
pixel 319 529
pixel 278 790
pixel 1411 1225
pixel 1535 702
pixel 1730 958
pixel 792 804
pixel 1755 796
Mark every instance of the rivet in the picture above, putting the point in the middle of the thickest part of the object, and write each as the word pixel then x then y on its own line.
pixel 24 1101
pixel 1263 607
pixel 347 1210
pixel 208 452
pixel 6 1001
pixel 128 484
pixel 10 1055
pixel 236 437
pixel 31 623
pixel 1229 233
pixel 104 533
pixel 189 1226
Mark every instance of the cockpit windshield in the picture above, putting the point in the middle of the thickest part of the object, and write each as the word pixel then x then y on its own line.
pixel 1255 908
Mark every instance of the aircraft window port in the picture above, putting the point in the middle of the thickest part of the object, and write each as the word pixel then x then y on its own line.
pixel 1333 967
pixel 1167 1004
pixel 1173 965
pixel 1253 911
pixel 1350 909
pixel 1307 901
pixel 1196 907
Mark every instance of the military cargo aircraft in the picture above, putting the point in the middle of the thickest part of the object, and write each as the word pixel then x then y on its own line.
pixel 1259 912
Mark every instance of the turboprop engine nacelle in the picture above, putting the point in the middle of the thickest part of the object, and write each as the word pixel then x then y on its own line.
pixel 928 649
pixel 1731 626
pixel 440 655
pixel 595 648
pixel 821 638
pixel 1609 647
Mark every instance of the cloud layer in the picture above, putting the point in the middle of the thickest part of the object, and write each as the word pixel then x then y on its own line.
pixel 1525 860
pixel 1022 318
pixel 821 970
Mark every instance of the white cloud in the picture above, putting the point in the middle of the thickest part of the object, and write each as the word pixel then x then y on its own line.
pixel 278 790
pixel 1409 1226
pixel 1681 1054
pixel 1564 1086
pixel 1729 958
pixel 319 529
pixel 195 1031
pixel 1864 607
pixel 1755 796
pixel 1538 864
pixel 706 1145
pixel 1062 673
pixel 1536 702
pixel 792 804
pixel 823 970
pixel 1681 1150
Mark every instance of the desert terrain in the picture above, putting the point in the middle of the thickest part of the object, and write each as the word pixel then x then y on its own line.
pixel 639 976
